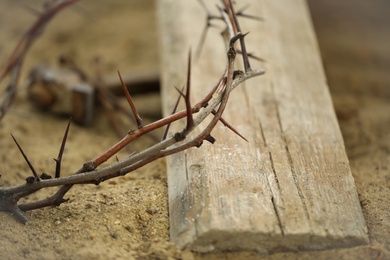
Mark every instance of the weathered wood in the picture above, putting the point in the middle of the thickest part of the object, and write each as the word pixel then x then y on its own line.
pixel 289 187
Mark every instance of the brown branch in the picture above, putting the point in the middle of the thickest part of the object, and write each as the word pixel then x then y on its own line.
pixel 214 103
pixel 237 29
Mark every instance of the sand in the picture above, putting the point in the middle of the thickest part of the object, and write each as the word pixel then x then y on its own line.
pixel 127 217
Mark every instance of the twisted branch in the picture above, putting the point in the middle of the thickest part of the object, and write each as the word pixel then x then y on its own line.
pixel 213 104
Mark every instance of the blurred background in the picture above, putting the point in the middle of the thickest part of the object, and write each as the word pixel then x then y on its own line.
pixel 354 42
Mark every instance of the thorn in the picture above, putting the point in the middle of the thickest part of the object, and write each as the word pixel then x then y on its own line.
pixel 59 202
pixel 18 214
pixel 232 52
pixel 179 136
pixel 245 34
pixel 225 123
pixel 236 37
pixel 202 40
pixel 27 160
pixel 242 9
pixel 174 111
pixel 138 119
pixel 45 176
pixel 190 120
pixel 198 145
pixel 251 55
pixel 237 73
pixel 61 152
pixel 189 115
pixel 203 36
pixel 205 29
pixel 210 139
pixel 247 65
pixel 240 12
pixel 254 17
pixel 30 179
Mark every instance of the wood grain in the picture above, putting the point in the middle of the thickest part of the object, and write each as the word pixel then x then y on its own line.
pixel 289 187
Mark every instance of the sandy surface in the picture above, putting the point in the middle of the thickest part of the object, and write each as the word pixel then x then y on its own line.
pixel 127 217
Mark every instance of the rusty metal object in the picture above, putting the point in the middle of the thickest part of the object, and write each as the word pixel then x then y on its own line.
pixel 63 92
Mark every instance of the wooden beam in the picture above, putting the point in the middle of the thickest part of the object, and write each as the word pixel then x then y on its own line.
pixel 290 187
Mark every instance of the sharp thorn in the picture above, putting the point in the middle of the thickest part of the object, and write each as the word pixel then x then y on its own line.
pixel 252 56
pixel 190 120
pixel 198 145
pixel 210 139
pixel 138 119
pixel 225 123
pixel 245 34
pixel 202 40
pixel 242 9
pixel 240 12
pixel 164 136
pixel 253 17
pixel 26 159
pixel 235 38
pixel 61 152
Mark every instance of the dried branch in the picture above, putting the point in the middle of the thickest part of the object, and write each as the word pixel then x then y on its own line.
pixel 213 104
pixel 237 29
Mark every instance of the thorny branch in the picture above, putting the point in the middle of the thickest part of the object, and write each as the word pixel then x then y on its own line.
pixel 213 104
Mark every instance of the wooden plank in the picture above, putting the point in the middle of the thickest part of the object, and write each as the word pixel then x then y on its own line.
pixel 289 187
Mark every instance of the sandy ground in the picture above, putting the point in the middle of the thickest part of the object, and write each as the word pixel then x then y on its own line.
pixel 127 217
